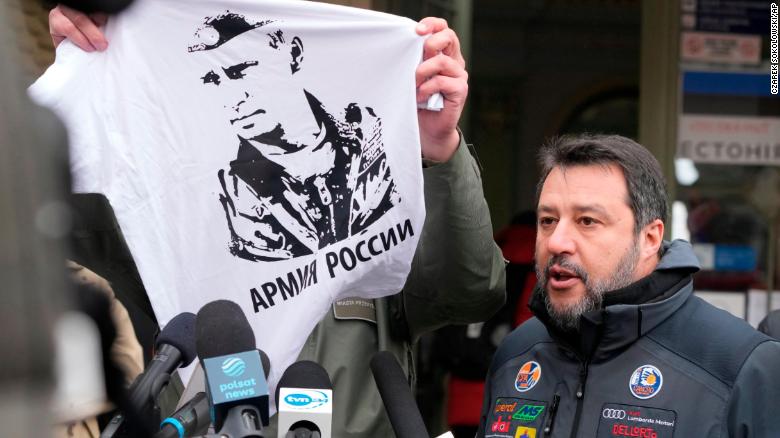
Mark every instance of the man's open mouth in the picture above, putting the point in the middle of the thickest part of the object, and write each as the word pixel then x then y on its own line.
pixel 560 274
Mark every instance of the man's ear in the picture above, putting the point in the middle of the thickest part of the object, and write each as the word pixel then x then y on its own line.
pixel 296 54
pixel 652 238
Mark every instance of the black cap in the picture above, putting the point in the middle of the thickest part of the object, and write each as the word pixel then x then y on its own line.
pixel 222 28
pixel 180 333
pixel 304 374
pixel 222 329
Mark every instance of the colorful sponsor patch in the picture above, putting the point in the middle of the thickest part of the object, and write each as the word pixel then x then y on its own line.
pixel 646 382
pixel 617 421
pixel 528 412
pixel 510 414
pixel 505 406
pixel 501 424
pixel 525 432
pixel 528 376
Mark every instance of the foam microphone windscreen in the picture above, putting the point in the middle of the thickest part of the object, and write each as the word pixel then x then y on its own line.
pixel 180 333
pixel 304 374
pixel 397 397
pixel 266 362
pixel 221 329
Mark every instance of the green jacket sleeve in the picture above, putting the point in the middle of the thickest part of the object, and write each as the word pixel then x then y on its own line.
pixel 457 274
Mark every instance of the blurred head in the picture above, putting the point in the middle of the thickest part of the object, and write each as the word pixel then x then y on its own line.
pixel 601 207
pixel 252 78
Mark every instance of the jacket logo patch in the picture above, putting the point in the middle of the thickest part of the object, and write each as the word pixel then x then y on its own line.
pixel 505 406
pixel 646 382
pixel 528 413
pixel 512 417
pixel 501 425
pixel 623 421
pixel 528 376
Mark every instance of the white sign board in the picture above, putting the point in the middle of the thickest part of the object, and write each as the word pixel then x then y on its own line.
pixel 724 48
pixel 729 139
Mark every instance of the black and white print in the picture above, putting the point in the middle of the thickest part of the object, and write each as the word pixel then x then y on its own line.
pixel 302 178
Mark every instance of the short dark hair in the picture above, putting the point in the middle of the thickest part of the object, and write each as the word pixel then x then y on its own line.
pixel 644 180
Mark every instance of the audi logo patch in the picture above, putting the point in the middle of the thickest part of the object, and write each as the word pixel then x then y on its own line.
pixel 613 414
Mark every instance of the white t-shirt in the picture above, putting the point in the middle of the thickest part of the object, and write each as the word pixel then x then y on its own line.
pixel 265 152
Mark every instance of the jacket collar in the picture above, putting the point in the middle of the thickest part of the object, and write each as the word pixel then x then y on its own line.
pixel 628 313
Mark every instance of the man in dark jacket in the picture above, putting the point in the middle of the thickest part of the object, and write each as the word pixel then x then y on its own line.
pixel 620 346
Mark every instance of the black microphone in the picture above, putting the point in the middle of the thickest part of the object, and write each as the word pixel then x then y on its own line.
pixel 194 417
pixel 233 370
pixel 397 397
pixel 175 347
pixel 304 402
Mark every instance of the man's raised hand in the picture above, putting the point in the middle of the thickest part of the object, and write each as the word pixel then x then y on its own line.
pixel 443 70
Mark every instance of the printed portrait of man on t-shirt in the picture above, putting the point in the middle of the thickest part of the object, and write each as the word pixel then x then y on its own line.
pixel 302 178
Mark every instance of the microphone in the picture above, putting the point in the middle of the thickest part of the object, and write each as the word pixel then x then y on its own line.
pixel 397 397
pixel 175 347
pixel 304 402
pixel 194 417
pixel 235 386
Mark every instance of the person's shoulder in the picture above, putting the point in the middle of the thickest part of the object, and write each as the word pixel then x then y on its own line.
pixel 715 340
pixel 771 324
pixel 522 339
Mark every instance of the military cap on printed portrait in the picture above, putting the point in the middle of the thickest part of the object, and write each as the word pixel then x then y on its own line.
pixel 220 29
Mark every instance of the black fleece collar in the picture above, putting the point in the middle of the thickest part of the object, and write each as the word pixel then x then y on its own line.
pixel 618 323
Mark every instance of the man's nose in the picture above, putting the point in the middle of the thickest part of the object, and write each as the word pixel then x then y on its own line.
pixel 243 100
pixel 561 240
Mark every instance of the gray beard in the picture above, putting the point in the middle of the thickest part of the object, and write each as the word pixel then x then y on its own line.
pixel 567 317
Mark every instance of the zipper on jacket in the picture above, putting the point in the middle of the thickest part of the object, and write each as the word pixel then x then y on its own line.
pixel 410 367
pixel 548 425
pixel 580 394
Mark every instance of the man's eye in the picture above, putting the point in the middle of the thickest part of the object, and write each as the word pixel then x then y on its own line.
pixel 211 78
pixel 546 221
pixel 588 221
pixel 237 71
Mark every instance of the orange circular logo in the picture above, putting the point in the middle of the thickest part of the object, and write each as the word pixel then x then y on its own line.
pixel 528 376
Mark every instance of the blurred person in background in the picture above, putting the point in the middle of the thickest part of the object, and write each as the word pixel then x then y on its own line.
pixel 125 351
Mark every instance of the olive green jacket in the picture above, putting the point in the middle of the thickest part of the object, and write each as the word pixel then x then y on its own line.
pixel 457 277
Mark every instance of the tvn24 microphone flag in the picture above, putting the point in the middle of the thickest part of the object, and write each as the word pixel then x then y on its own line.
pixel 265 152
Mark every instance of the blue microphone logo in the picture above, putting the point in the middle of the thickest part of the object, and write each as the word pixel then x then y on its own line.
pixel 312 399
pixel 298 399
pixel 233 367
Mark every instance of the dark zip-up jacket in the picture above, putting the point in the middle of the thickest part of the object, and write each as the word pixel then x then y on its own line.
pixel 654 362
